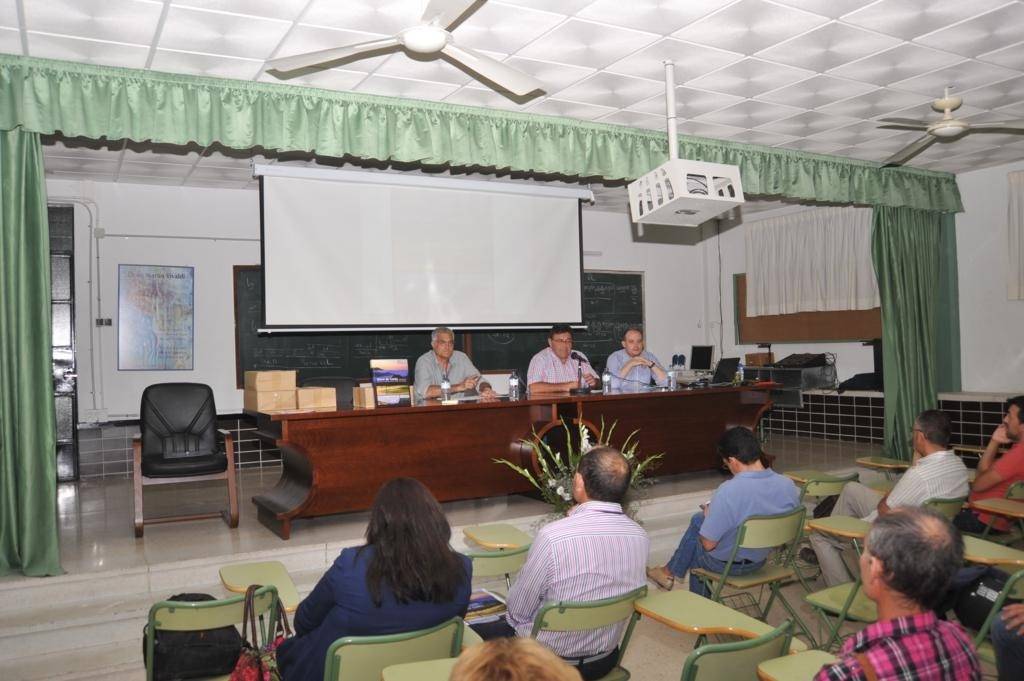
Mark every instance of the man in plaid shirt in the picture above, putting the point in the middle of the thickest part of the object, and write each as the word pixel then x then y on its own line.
pixel 909 560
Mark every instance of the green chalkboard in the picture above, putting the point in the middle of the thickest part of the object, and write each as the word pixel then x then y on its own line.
pixel 612 301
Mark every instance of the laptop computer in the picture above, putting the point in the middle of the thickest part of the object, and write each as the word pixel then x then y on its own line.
pixel 725 371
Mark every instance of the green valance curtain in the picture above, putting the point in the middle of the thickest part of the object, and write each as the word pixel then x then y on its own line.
pixel 28 463
pixel 47 96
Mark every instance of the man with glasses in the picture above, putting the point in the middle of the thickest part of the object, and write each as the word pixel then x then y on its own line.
pixel 444 361
pixel 937 473
pixel 556 368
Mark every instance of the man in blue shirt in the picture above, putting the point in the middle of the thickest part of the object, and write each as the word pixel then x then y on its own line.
pixel 632 366
pixel 709 541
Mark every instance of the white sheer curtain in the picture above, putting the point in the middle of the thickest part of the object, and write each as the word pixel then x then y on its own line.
pixel 1015 277
pixel 817 259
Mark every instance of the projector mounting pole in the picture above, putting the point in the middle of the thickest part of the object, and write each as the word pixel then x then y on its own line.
pixel 670 109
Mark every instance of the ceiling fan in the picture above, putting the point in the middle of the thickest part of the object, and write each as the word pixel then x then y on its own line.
pixel 945 127
pixel 429 37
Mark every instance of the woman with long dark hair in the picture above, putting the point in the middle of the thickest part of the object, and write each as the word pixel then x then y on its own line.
pixel 406 577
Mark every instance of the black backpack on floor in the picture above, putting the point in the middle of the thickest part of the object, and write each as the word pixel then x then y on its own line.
pixel 193 654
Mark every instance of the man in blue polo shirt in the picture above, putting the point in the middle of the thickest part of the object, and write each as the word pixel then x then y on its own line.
pixel 709 541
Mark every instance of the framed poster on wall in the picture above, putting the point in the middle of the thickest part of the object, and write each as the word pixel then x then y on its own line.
pixel 155 318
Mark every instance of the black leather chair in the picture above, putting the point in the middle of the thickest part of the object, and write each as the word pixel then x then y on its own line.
pixel 342 388
pixel 179 442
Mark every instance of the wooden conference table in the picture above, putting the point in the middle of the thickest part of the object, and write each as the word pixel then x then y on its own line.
pixel 334 461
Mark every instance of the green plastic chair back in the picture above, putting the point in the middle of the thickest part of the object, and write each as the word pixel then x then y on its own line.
pixel 1016 490
pixel 826 487
pixel 584 615
pixel 947 507
pixel 363 658
pixel 769 531
pixel 199 615
pixel 498 563
pixel 737 661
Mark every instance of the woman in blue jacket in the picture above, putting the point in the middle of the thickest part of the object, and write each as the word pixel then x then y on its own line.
pixel 406 577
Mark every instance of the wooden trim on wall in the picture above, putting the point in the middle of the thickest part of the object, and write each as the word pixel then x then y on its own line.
pixel 802 327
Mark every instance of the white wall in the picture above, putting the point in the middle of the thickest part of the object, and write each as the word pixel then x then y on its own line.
pixel 991 326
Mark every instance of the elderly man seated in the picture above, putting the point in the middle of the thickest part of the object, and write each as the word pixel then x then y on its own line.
pixel 909 559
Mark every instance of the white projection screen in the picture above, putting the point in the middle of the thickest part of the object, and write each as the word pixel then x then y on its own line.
pixel 369 250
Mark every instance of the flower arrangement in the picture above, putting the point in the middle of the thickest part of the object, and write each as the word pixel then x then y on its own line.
pixel 558 468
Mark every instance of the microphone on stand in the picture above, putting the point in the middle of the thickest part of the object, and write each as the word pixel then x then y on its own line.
pixel 580 358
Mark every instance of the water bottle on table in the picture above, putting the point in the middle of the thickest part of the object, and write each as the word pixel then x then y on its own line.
pixel 446 389
pixel 513 385
pixel 606 380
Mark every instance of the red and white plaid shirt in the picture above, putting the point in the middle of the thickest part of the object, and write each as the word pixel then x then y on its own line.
pixel 920 647
pixel 545 367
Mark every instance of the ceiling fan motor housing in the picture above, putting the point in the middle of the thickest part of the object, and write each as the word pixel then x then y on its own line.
pixel 424 39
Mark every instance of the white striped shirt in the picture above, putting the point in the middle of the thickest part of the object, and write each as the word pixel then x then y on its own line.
pixel 546 367
pixel 940 475
pixel 596 552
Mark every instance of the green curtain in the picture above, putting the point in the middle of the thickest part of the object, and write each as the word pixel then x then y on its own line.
pixel 947 311
pixel 28 463
pixel 47 96
pixel 905 250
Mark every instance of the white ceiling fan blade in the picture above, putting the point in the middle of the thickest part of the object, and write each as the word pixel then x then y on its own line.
pixel 511 79
pixel 998 125
pixel 301 61
pixel 445 12
pixel 902 126
pixel 906 121
pixel 905 154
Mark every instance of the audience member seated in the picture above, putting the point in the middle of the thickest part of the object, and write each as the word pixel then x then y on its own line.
pixel 909 559
pixel 937 473
pixel 995 477
pixel 512 659
pixel 1008 640
pixel 753 490
pixel 406 577
pixel 595 552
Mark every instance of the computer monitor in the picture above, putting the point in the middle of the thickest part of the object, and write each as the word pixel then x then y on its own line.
pixel 700 357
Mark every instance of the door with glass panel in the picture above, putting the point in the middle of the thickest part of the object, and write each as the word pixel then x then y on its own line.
pixel 62 288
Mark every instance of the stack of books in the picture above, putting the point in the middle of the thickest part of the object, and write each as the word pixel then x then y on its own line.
pixel 485 606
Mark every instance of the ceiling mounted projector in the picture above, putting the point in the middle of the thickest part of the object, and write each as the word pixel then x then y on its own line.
pixel 682 192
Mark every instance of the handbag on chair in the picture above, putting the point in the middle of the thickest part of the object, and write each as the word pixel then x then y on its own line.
pixel 256 663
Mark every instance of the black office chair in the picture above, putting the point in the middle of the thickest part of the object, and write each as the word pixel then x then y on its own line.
pixel 342 388
pixel 179 442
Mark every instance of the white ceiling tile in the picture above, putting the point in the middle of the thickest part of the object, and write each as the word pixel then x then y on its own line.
pixel 10 40
pixel 611 89
pixel 205 64
pixel 81 153
pixel 908 19
pixel 812 145
pixel 274 9
pixel 8 14
pixel 386 17
pixel 874 104
pixel 816 91
pixel 748 26
pixel 749 114
pixel 215 184
pixel 806 124
pixel 88 51
pixel 567 6
pixel 149 179
pixel 140 152
pixel 436 69
pixel 636 119
pixel 899 63
pixel 584 43
pixel 925 112
pixel 656 16
pixel 138 169
pixel 557 107
pixel 709 130
pixel 999 94
pixel 123 21
pixel 501 28
pixel 82 165
pixel 766 139
pixel 303 39
pixel 963 76
pixel 749 78
pixel 832 9
pixel 554 76
pixel 1011 57
pixel 328 79
pixel 985 33
pixel 91 176
pixel 893 143
pixel 234 35
pixel 828 46
pixel 404 87
pixel 863 154
pixel 485 97
pixel 1010 111
pixel 221 174
pixel 690 103
pixel 690 60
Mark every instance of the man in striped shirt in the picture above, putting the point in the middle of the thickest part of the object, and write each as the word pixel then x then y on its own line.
pixel 557 368
pixel 909 560
pixel 938 473
pixel 595 552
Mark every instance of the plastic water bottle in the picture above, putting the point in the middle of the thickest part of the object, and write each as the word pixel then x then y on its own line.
pixel 606 380
pixel 740 370
pixel 446 389
pixel 513 385
pixel 672 384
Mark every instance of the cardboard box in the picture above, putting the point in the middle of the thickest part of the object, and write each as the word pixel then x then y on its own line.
pixel 270 380
pixel 270 400
pixel 316 398
pixel 759 359
pixel 362 396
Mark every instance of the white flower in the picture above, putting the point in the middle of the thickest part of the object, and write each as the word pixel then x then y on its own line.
pixel 552 482
pixel 585 444
pixel 560 491
pixel 567 496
